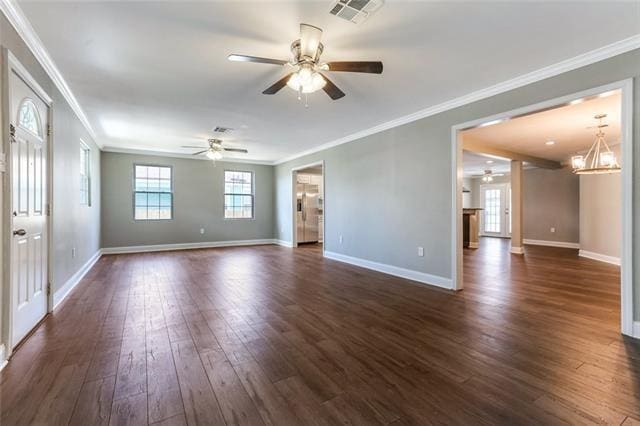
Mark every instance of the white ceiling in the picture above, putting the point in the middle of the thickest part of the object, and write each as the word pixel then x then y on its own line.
pixel 154 75
pixel 474 165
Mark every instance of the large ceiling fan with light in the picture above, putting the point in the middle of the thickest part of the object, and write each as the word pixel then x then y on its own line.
pixel 215 150
pixel 307 75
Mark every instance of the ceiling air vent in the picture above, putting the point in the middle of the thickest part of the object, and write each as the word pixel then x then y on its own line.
pixel 355 11
pixel 220 129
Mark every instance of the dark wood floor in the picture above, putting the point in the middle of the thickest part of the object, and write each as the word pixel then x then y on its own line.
pixel 270 335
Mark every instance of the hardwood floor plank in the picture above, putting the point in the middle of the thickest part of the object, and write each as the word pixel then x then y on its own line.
pixel 200 403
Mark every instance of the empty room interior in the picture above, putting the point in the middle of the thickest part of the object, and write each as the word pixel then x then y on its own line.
pixel 357 212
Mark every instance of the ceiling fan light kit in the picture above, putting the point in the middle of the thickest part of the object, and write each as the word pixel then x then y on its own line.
pixel 599 159
pixel 215 150
pixel 306 76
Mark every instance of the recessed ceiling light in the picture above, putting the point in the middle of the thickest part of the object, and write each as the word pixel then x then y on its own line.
pixel 550 143
pixel 491 123
pixel 605 94
pixel 489 161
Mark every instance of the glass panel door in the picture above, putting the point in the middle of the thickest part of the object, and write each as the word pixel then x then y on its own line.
pixel 496 202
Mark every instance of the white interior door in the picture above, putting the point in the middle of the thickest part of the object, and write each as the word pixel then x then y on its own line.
pixel 29 247
pixel 495 200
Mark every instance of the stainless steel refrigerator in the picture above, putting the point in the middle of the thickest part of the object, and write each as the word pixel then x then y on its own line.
pixel 308 210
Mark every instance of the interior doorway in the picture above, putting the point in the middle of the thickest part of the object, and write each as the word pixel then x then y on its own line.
pixel 308 205
pixel 546 155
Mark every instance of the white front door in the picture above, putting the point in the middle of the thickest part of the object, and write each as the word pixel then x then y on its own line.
pixel 495 199
pixel 28 254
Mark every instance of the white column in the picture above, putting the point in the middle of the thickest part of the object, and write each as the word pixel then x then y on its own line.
pixel 516 207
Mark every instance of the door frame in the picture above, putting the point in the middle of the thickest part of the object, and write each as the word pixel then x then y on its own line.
pixel 294 181
pixel 506 217
pixel 628 327
pixel 11 64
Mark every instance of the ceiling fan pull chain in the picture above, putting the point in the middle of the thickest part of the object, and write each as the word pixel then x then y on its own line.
pixel 300 93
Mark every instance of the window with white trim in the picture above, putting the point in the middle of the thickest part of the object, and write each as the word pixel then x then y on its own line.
pixel 85 174
pixel 153 192
pixel 238 195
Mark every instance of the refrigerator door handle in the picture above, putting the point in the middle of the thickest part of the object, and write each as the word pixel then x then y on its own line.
pixel 304 206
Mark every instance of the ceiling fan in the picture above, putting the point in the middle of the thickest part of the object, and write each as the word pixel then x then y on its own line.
pixel 215 149
pixel 488 175
pixel 307 76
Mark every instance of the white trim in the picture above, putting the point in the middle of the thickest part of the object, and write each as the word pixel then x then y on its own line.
pixel 626 270
pixel 284 243
pixel 474 244
pixel 516 250
pixel 579 61
pixel 562 244
pixel 72 282
pixel 601 257
pixel 156 153
pixel 3 357
pixel 421 277
pixel 185 246
pixel 636 329
pixel 24 29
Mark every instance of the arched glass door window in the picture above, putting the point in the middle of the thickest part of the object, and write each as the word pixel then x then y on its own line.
pixel 28 117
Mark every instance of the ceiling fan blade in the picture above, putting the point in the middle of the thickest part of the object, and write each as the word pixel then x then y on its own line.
pixel 192 146
pixel 331 89
pixel 310 37
pixel 257 59
pixel 236 150
pixel 275 88
pixel 371 67
pixel 200 152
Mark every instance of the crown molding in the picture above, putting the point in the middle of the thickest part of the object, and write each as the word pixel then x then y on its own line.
pixel 23 27
pixel 579 61
pixel 169 154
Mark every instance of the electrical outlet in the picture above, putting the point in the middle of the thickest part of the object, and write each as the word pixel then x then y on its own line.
pixel 202 231
pixel 73 252
pixel 553 230
pixel 421 251
pixel 340 239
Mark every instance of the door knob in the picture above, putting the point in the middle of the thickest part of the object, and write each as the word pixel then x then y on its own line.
pixel 20 232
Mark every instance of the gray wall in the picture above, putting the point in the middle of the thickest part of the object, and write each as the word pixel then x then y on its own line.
pixel 600 212
pixel 198 203
pixel 390 192
pixel 551 198
pixel 73 225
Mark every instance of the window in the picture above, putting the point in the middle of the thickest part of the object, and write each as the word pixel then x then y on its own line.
pixel 238 195
pixel 85 175
pixel 28 117
pixel 153 194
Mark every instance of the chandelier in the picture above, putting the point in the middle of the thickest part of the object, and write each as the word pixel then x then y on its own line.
pixel 599 159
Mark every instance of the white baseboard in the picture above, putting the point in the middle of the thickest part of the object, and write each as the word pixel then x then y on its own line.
pixel 3 357
pixel 409 274
pixel 63 292
pixel 517 250
pixel 185 246
pixel 601 257
pixel 474 245
pixel 561 244
pixel 636 329
pixel 284 243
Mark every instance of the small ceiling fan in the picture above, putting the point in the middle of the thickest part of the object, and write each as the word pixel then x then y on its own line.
pixel 488 175
pixel 215 149
pixel 306 76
